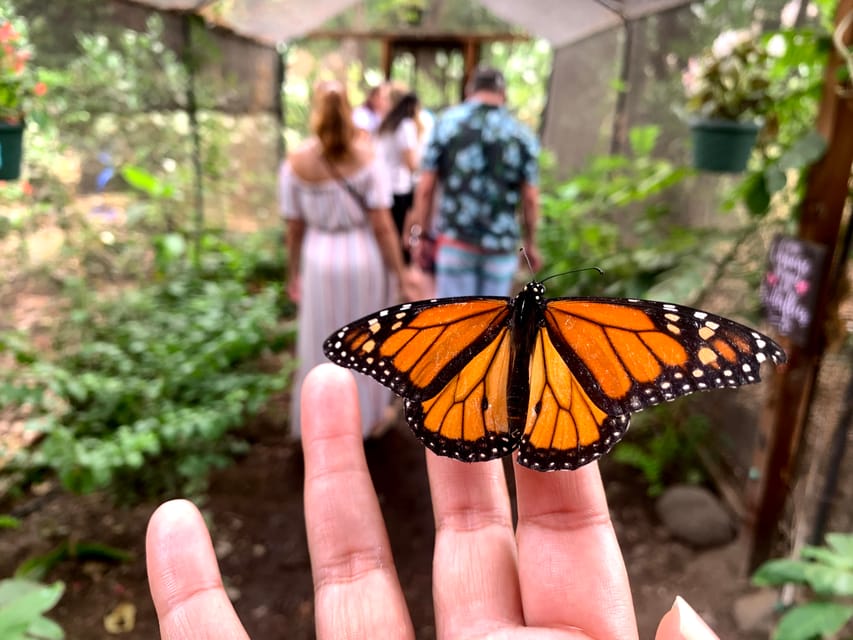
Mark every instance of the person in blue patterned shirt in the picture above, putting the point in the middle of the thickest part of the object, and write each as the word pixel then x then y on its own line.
pixel 484 162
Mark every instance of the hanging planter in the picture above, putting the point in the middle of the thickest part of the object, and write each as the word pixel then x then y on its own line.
pixel 729 93
pixel 11 150
pixel 20 93
pixel 722 146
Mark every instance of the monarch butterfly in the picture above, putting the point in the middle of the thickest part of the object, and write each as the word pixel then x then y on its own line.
pixel 555 378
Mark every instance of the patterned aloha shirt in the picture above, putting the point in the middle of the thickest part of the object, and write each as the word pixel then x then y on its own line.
pixel 482 156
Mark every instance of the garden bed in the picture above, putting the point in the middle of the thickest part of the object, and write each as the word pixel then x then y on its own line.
pixel 254 509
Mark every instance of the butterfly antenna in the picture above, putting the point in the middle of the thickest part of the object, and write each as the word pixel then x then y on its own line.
pixel 565 273
pixel 527 260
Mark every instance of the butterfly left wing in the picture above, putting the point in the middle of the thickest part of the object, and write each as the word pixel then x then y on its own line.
pixel 565 429
pixel 450 360
pixel 596 360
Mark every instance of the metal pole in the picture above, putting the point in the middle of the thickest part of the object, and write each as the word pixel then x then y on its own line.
pixel 190 63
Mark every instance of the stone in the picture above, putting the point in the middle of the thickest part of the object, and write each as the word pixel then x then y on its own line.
pixel 756 611
pixel 695 515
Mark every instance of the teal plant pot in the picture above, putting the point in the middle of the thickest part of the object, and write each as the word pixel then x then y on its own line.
pixel 11 150
pixel 722 146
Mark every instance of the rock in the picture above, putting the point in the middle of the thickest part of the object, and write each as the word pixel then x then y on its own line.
pixel 695 516
pixel 756 611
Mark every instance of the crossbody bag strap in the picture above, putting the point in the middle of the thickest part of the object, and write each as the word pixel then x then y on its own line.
pixel 359 199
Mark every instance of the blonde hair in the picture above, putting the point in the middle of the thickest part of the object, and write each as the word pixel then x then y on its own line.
pixel 331 120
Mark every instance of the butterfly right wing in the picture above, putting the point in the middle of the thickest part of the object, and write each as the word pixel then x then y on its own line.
pixel 450 360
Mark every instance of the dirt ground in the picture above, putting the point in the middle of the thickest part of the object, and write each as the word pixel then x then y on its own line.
pixel 254 509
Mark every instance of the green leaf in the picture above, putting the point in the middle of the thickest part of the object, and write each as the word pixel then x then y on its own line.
pixel 140 179
pixel 37 567
pixel 829 581
pixel 774 179
pixel 782 571
pixel 9 522
pixel 756 195
pixel 842 543
pixel 173 244
pixel 643 139
pixel 23 601
pixel 803 152
pixel 45 629
pixel 813 620
pixel 829 557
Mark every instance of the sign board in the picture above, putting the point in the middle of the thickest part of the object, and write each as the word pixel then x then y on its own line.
pixel 790 286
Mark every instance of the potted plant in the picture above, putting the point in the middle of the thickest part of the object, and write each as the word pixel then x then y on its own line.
pixel 727 89
pixel 19 88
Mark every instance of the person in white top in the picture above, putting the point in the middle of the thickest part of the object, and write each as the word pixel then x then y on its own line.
pixel 398 141
pixel 369 115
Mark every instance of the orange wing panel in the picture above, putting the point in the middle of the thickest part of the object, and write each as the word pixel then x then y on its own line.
pixel 457 412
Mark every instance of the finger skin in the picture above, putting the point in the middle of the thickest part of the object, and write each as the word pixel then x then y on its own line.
pixel 184 577
pixel 475 569
pixel 357 593
pixel 572 574
pixel 681 622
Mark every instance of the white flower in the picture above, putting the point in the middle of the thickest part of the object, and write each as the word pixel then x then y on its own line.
pixel 727 41
pixel 788 16
pixel 776 46
pixel 690 76
pixel 789 13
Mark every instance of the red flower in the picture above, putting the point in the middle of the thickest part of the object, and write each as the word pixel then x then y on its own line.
pixel 7 32
pixel 39 89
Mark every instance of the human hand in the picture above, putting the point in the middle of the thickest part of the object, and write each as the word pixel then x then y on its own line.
pixel 413 285
pixel 294 289
pixel 534 258
pixel 559 574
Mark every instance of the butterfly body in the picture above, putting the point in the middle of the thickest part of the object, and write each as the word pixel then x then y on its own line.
pixel 556 379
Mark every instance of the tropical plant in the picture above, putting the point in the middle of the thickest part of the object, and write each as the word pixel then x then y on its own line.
pixel 663 447
pixel 609 215
pixel 20 88
pixel 730 79
pixel 797 75
pixel 827 571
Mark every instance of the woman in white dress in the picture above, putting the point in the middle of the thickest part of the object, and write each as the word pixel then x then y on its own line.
pixel 343 250
pixel 398 141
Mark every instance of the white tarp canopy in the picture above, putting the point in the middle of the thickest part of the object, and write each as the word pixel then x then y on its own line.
pixel 561 22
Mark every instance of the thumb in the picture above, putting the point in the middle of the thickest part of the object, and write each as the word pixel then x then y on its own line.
pixel 683 623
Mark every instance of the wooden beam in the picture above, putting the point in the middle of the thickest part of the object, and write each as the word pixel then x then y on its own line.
pixel 416 36
pixel 785 417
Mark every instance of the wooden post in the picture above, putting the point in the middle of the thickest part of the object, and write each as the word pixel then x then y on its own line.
pixel 470 59
pixel 387 57
pixel 785 416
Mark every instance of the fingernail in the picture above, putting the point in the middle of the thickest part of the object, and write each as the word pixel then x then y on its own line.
pixel 690 625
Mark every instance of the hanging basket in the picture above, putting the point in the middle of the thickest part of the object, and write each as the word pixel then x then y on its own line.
pixel 11 150
pixel 722 145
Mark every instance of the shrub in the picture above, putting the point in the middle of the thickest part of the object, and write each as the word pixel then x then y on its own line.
pixel 147 386
pixel 828 573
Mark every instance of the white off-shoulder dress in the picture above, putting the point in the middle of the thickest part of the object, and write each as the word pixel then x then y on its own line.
pixel 343 276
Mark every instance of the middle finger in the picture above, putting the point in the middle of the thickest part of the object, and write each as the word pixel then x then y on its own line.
pixel 475 571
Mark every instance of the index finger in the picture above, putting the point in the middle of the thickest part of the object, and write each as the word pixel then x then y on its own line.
pixel 571 570
pixel 184 576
